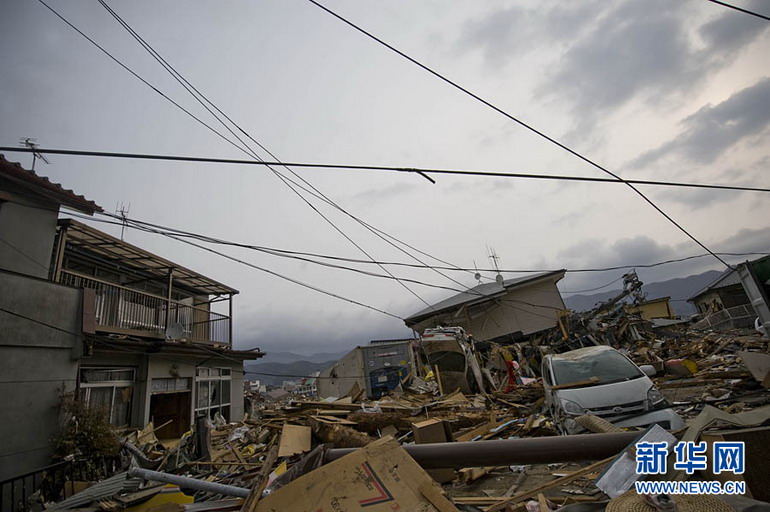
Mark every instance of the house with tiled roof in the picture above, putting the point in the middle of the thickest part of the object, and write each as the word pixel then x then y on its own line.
pixel 85 314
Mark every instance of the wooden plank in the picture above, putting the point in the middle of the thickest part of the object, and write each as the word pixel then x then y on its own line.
pixel 477 431
pixel 550 485
pixel 438 379
pixel 468 475
pixel 294 439
pixel 543 502
pixel 436 498
pixel 331 420
pixel 252 501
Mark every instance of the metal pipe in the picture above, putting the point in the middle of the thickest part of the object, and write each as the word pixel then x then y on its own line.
pixel 190 483
pixel 505 452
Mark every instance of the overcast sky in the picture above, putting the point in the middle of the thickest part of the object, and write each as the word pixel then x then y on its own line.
pixel 658 89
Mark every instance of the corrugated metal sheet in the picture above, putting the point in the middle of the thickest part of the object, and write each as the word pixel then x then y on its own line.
pixel 104 489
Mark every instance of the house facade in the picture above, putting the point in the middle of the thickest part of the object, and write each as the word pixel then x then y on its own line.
pixel 84 312
pixel 725 292
pixel 501 311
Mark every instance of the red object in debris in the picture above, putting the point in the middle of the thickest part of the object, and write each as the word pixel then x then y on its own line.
pixel 509 365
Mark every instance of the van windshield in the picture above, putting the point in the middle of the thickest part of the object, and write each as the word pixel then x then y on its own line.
pixel 594 368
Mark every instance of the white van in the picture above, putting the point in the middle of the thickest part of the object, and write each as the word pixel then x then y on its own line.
pixel 603 382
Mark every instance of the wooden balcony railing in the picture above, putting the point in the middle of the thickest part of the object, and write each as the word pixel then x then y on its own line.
pixel 124 310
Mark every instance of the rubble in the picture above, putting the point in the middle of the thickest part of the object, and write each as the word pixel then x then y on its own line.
pixel 494 450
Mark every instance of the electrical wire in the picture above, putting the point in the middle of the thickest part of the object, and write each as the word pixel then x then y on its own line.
pixel 133 73
pixel 200 97
pixel 523 124
pixel 745 11
pixel 594 289
pixel 290 253
pixel 316 192
pixel 364 167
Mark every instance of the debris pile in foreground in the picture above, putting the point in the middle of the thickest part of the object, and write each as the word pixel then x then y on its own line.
pixel 406 450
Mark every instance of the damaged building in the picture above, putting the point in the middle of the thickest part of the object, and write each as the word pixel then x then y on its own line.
pixel 86 313
pixel 504 311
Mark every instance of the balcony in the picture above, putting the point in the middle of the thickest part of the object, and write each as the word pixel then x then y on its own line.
pixel 122 310
pixel 736 317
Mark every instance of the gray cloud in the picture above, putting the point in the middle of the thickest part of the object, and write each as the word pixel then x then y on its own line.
pixel 732 31
pixel 511 31
pixel 287 332
pixel 645 250
pixel 614 52
pixel 698 199
pixel 712 130
pixel 636 47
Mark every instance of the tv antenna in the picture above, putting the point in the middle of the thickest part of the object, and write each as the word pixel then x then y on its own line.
pixel 30 143
pixel 477 275
pixel 122 210
pixel 495 258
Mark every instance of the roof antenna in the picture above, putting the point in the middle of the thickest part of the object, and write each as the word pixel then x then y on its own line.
pixel 123 212
pixel 31 144
pixel 494 257
pixel 477 275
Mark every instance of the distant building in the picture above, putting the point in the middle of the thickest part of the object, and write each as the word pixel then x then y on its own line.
pixel 502 312
pixel 373 369
pixel 726 291
pixel 307 386
pixel 653 308
pixel 725 303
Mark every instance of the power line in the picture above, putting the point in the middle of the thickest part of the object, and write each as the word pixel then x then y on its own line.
pixel 181 235
pixel 746 11
pixel 521 123
pixel 412 265
pixel 65 331
pixel 364 167
pixel 145 82
pixel 594 289
pixel 286 278
pixel 199 96
pixel 24 254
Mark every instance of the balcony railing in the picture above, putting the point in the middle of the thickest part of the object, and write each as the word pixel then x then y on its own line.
pixel 727 318
pixel 124 310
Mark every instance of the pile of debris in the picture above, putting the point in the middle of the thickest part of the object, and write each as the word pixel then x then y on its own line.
pixel 497 449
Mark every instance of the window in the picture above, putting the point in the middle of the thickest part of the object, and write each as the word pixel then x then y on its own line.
pixel 212 387
pixel 170 385
pixel 111 389
pixel 605 365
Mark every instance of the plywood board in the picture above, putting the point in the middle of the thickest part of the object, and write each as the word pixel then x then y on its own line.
pixel 294 439
pixel 378 478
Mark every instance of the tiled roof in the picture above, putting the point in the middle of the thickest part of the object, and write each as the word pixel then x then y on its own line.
pixel 43 186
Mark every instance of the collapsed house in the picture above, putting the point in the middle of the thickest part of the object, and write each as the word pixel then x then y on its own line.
pixel 503 311
pixel 84 313
pixel 736 298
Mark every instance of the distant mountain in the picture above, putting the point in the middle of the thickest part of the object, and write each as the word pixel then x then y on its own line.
pixel 292 370
pixel 291 357
pixel 679 289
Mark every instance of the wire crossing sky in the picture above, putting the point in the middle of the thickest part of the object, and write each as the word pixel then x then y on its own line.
pixel 662 93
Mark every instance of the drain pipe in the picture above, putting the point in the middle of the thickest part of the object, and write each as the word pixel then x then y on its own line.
pixel 506 452
pixel 189 483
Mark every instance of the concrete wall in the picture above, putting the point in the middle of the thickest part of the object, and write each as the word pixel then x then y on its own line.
pixel 19 250
pixel 37 363
pixel 340 378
